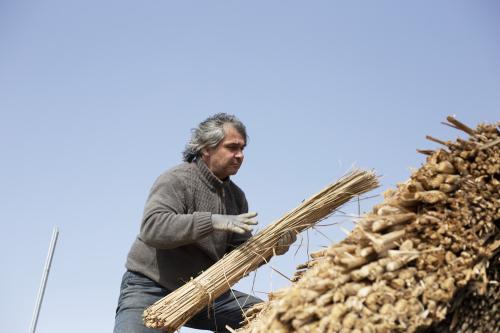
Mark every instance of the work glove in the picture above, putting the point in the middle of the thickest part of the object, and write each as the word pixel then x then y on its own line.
pixel 234 223
pixel 284 242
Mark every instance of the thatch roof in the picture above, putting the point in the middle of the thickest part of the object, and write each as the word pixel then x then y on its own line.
pixel 424 260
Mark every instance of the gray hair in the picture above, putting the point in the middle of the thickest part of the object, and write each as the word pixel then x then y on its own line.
pixel 209 133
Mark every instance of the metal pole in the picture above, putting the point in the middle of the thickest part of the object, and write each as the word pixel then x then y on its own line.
pixel 41 290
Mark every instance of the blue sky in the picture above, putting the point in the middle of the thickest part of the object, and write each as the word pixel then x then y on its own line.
pixel 98 98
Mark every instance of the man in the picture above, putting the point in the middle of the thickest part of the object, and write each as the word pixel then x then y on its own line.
pixel 193 216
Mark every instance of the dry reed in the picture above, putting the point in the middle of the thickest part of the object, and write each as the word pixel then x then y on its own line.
pixel 424 260
pixel 177 308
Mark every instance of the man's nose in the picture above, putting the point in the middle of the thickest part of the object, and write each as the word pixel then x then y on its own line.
pixel 239 154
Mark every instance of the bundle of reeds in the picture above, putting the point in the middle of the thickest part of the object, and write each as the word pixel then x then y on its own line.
pixel 410 263
pixel 476 310
pixel 178 307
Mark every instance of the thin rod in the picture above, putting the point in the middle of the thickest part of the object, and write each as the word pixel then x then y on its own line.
pixel 43 283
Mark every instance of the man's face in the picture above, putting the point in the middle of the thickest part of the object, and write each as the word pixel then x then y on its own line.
pixel 225 159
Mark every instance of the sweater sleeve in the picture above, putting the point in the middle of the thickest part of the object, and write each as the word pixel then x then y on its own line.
pixel 165 223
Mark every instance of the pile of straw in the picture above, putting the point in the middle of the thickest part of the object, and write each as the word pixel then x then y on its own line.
pixel 177 308
pixel 409 265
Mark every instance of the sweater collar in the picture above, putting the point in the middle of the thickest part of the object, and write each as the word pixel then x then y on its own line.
pixel 208 175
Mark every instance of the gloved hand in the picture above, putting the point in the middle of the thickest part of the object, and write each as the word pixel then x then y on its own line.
pixel 234 223
pixel 284 242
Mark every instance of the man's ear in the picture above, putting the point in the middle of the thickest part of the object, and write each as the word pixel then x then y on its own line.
pixel 205 153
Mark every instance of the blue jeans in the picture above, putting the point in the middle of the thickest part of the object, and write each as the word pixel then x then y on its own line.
pixel 137 292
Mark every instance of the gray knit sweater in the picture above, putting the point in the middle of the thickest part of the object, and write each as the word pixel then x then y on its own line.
pixel 176 239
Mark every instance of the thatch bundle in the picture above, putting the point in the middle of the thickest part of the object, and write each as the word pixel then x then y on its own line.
pixel 409 264
pixel 177 308
pixel 475 310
